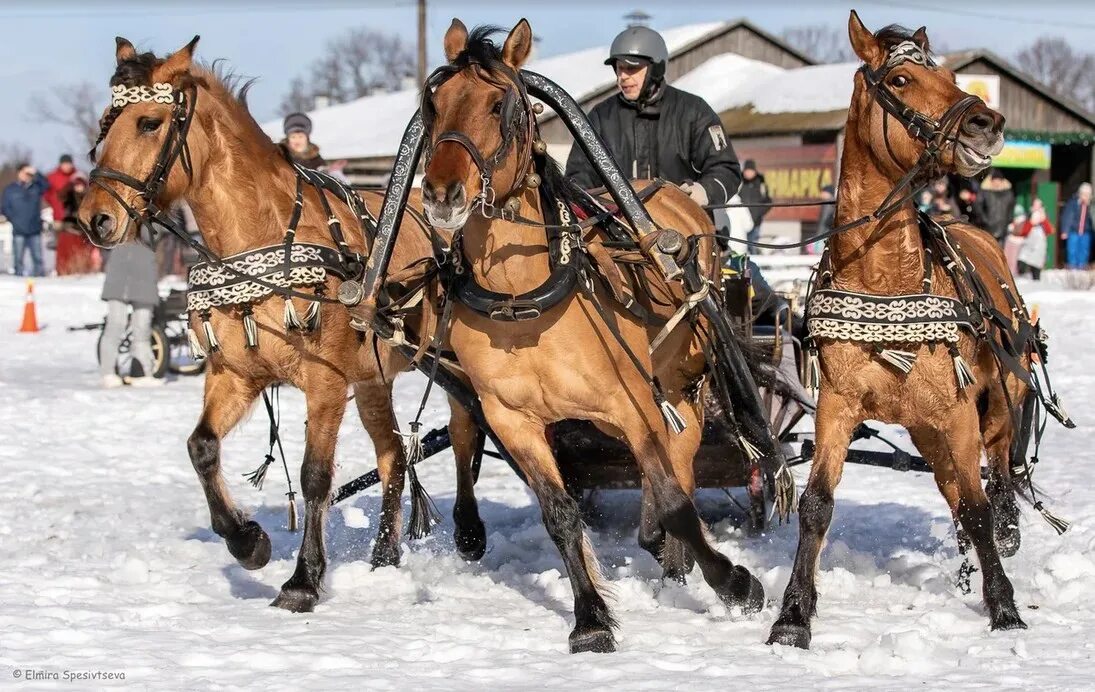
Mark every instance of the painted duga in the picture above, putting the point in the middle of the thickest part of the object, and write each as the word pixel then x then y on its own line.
pixel 956 397
pixel 176 130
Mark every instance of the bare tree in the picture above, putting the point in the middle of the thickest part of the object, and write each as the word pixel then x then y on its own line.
pixel 1065 70
pixel 11 155
pixel 75 106
pixel 355 63
pixel 821 42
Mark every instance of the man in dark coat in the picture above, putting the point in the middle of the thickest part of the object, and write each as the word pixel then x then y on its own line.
pixel 22 205
pixel 996 205
pixel 654 130
pixel 754 191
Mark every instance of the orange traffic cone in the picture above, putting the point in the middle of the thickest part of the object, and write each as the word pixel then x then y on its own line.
pixel 30 315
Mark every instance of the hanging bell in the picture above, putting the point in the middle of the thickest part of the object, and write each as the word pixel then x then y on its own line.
pixel 532 180
pixel 537 108
pixel 512 206
pixel 539 147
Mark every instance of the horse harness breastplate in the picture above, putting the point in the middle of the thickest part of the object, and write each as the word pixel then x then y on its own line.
pixel 918 318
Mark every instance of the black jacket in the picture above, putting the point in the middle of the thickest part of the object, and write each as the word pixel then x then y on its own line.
pixel 996 206
pixel 678 138
pixel 755 191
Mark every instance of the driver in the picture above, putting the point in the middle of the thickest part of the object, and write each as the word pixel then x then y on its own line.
pixel 654 130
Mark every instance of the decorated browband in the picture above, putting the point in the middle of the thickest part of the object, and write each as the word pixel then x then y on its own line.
pixel 160 92
pixel 908 51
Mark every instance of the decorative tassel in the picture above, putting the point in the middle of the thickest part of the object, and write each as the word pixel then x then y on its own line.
pixel 902 360
pixel 210 337
pixel 748 448
pixel 292 321
pixel 196 349
pixel 424 514
pixel 250 328
pixel 292 510
pixel 786 493
pixel 258 476
pixel 672 417
pixel 1059 525
pixel 311 317
pixel 963 371
pixel 1056 409
pixel 812 376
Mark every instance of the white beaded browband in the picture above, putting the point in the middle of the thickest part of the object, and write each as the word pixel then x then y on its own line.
pixel 160 92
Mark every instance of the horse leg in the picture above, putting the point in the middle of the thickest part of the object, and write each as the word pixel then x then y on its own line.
pixel 374 407
pixel 228 396
pixel 927 441
pixel 836 420
pixel 645 430
pixel 962 445
pixel 525 439
pixel 997 431
pixel 326 401
pixel 469 533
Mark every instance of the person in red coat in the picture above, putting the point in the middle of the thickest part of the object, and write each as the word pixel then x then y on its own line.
pixel 59 179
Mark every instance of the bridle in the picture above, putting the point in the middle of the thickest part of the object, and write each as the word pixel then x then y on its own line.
pixel 517 124
pixel 174 147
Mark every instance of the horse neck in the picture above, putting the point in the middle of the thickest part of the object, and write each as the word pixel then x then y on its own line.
pixel 883 257
pixel 242 194
pixel 508 257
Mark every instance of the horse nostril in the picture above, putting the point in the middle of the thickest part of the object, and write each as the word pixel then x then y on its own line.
pixel 979 123
pixel 102 224
pixel 457 197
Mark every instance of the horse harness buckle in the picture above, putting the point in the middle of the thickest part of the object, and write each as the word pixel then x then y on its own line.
pixel 514 311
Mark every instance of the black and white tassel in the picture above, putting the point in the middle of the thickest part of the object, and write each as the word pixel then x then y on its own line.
pixel 258 476
pixel 962 369
pixel 1059 525
pixel 672 417
pixel 292 510
pixel 902 360
pixel 786 493
pixel 311 317
pixel 210 337
pixel 812 373
pixel 250 328
pixel 1057 410
pixel 749 449
pixel 424 514
pixel 292 320
pixel 196 349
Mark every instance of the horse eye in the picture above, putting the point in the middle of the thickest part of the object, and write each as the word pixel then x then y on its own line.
pixel 899 81
pixel 497 109
pixel 149 125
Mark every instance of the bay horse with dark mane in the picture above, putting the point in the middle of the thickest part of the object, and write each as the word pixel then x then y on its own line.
pixel 954 382
pixel 576 351
pixel 182 127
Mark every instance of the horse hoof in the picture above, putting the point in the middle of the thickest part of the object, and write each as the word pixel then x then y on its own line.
pixel 790 635
pixel 385 554
pixel 745 592
pixel 1007 619
pixel 471 542
pixel 296 599
pixel 598 641
pixel 250 546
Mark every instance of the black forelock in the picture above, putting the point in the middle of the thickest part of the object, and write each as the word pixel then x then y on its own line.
pixel 480 49
pixel 135 71
pixel 892 35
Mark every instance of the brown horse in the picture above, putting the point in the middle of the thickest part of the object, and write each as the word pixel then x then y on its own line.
pixel 573 360
pixel 242 191
pixel 951 419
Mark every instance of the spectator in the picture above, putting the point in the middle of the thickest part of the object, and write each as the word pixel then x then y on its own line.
pixel 754 191
pixel 22 205
pixel 59 180
pixel 1076 228
pixel 924 201
pixel 75 254
pixel 1015 238
pixel 130 283
pixel 1035 232
pixel 942 205
pixel 995 204
pixel 967 206
pixel 298 142
pixel 172 255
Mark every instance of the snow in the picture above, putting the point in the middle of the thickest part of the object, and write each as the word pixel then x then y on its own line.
pixel 110 564
pixel 372 126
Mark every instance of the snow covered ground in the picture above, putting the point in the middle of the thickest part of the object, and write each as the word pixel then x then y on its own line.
pixel 108 562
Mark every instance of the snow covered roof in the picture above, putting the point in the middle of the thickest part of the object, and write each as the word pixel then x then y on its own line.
pixel 373 125
pixel 731 81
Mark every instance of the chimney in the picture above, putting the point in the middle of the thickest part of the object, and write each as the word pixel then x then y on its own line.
pixel 320 101
pixel 637 18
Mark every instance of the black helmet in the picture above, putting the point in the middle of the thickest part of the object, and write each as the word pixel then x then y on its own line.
pixel 639 42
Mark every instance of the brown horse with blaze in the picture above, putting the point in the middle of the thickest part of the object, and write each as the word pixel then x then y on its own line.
pixel 952 413
pixel 242 190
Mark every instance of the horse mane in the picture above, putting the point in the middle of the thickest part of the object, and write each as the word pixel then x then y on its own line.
pixel 481 49
pixel 554 185
pixel 892 35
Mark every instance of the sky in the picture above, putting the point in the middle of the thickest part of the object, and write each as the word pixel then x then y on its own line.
pixel 50 44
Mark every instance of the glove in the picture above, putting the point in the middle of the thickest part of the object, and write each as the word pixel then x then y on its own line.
pixel 696 192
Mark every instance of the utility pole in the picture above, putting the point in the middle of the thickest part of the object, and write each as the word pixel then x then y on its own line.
pixel 421 42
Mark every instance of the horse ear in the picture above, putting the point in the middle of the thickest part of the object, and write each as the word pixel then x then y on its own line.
pixel 518 45
pixel 123 49
pixel 456 39
pixel 178 62
pixel 863 41
pixel 920 38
